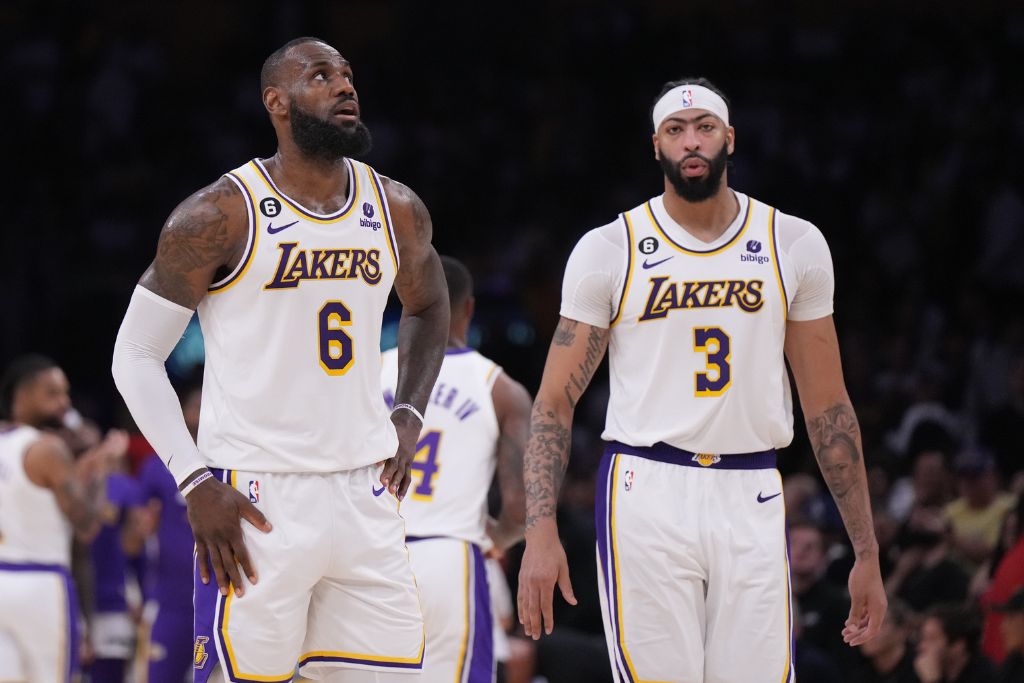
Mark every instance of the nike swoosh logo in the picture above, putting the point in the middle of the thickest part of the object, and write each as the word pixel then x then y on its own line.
pixel 761 499
pixel 647 265
pixel 377 493
pixel 271 230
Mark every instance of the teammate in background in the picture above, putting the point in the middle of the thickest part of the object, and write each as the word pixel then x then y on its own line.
pixel 476 422
pixel 290 261
pixel 45 497
pixel 169 561
pixel 701 293
pixel 124 526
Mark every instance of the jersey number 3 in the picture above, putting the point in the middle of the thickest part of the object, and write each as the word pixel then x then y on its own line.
pixel 334 344
pixel 714 342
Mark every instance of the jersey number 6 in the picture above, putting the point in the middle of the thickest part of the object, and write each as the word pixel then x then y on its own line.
pixel 334 344
pixel 714 342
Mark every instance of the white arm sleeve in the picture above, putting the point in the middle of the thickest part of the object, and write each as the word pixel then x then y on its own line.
pixel 808 252
pixel 593 276
pixel 151 328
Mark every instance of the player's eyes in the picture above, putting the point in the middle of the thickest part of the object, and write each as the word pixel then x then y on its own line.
pixel 673 130
pixel 707 128
pixel 320 75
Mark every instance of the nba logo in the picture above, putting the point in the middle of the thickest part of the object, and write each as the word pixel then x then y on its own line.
pixel 687 98
pixel 368 209
pixel 254 491
pixel 629 480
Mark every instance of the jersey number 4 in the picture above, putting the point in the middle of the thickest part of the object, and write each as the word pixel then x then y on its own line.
pixel 333 343
pixel 714 342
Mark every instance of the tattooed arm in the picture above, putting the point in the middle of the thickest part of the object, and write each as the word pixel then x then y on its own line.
pixel 576 351
pixel 813 353
pixel 203 238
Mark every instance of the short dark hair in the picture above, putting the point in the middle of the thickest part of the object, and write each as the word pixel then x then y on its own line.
pixel 268 74
pixel 959 622
pixel 692 81
pixel 20 372
pixel 460 282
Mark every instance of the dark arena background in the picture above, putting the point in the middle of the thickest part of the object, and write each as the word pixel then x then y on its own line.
pixel 895 127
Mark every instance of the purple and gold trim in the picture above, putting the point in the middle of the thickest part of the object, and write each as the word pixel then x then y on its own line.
pixel 604 512
pixel 773 236
pixel 353 193
pixel 629 270
pixel 696 252
pixel 457 351
pixel 254 237
pixel 662 452
pixel 382 201
pixel 788 672
pixel 69 627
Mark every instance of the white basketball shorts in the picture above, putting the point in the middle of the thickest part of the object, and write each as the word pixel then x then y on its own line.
pixel 335 586
pixel 693 566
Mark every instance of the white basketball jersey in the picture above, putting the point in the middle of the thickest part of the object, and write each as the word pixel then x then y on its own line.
pixel 292 376
pixel 32 527
pixel 457 451
pixel 696 346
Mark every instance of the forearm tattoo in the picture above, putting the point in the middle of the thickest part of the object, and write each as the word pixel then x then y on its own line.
pixel 580 378
pixel 547 456
pixel 835 438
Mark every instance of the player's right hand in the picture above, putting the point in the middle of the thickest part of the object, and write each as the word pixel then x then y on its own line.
pixel 544 565
pixel 215 511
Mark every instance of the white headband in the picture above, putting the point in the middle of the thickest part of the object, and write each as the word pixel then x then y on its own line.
pixel 689 97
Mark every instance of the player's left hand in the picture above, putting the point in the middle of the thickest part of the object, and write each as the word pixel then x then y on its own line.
pixel 867 601
pixel 397 472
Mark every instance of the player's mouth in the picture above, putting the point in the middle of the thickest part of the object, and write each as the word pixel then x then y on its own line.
pixel 347 112
pixel 694 167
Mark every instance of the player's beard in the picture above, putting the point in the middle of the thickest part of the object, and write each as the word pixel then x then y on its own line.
pixel 696 189
pixel 322 140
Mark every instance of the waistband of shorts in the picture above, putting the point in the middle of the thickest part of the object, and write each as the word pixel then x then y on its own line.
pixel 34 567
pixel 662 452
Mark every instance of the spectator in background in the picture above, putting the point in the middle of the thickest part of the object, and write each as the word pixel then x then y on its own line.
pixel 813 663
pixel 928 485
pixel 948 647
pixel 824 606
pixel 976 517
pixel 888 657
pixel 1007 578
pixel 1012 627
pixel 924 573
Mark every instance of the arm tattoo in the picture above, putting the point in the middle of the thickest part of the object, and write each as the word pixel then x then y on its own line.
pixel 83 503
pixel 565 333
pixel 547 456
pixel 835 438
pixel 579 379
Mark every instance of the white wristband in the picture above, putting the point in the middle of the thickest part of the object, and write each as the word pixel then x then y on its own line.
pixel 411 408
pixel 196 482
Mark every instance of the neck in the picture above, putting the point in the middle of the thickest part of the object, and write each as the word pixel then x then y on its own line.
pixel 313 182
pixel 889 659
pixel 705 220
pixel 457 339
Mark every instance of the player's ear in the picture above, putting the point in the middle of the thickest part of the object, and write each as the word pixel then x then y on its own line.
pixel 275 100
pixel 470 307
pixel 730 139
pixel 657 147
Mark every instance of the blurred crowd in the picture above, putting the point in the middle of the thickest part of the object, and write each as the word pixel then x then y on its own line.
pixel 894 131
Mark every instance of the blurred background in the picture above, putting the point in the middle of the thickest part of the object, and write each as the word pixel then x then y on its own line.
pixel 897 128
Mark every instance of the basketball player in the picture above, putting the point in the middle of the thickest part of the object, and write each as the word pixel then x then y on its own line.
pixel 290 261
pixel 701 293
pixel 477 421
pixel 45 496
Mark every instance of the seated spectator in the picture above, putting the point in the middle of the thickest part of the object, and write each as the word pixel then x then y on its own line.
pixel 948 647
pixel 924 573
pixel 824 606
pixel 888 657
pixel 929 485
pixel 1012 669
pixel 1007 578
pixel 976 517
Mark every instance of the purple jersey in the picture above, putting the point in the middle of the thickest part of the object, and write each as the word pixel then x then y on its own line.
pixel 169 563
pixel 108 558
